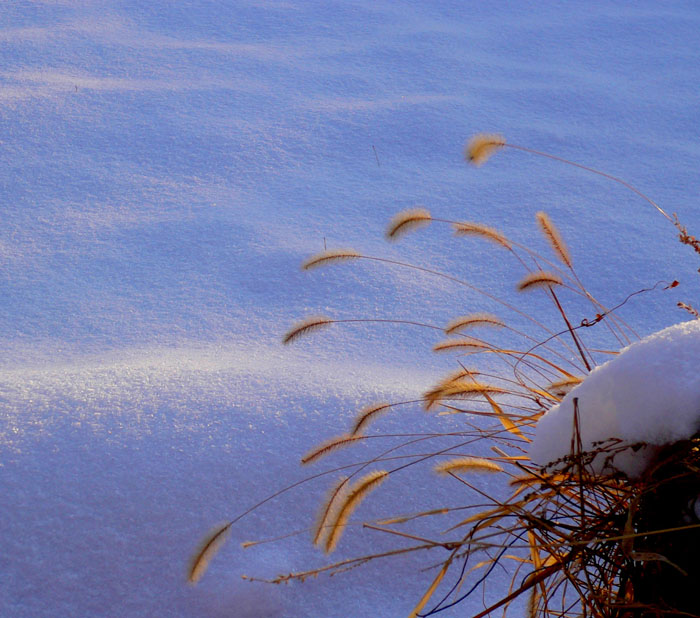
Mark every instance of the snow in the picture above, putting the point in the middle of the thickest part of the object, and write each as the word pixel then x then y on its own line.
pixel 165 168
pixel 649 393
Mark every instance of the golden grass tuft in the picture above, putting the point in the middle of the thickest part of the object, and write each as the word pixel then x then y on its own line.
pixel 538 279
pixel 406 221
pixel 432 397
pixel 306 326
pixel 554 237
pixel 467 464
pixel 211 544
pixel 459 389
pixel 367 414
pixel 472 320
pixel 330 257
pixel 356 494
pixel 329 446
pixel 469 228
pixel 482 146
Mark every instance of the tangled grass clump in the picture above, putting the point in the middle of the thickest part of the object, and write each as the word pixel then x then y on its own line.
pixel 576 542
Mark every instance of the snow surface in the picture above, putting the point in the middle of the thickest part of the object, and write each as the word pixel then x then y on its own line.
pixel 166 166
pixel 649 393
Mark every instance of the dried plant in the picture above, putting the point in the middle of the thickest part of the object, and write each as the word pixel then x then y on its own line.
pixel 467 464
pixel 554 238
pixel 575 542
pixel 481 147
pixel 406 221
pixel 474 319
pixel 468 228
pixel 211 544
pixel 539 279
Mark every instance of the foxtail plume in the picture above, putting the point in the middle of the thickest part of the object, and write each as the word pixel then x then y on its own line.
pixel 554 237
pixel 481 147
pixel 406 221
pixel 211 544
pixel 471 320
pixel 357 493
pixel 306 326
pixel 467 464
pixel 330 257
pixel 368 413
pixel 469 228
pixel 537 279
pixel 329 446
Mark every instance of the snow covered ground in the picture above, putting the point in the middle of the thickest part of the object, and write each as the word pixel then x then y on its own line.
pixel 648 394
pixel 166 166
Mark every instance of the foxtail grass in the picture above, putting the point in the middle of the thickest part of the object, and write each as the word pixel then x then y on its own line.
pixel 209 547
pixel 574 541
pixel 406 221
pixel 459 324
pixel 539 279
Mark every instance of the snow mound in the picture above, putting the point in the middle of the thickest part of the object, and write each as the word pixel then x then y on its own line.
pixel 649 393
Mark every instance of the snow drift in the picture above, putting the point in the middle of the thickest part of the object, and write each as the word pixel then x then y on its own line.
pixel 649 393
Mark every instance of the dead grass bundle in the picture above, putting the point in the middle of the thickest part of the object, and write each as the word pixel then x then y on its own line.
pixel 460 389
pixel 575 542
pixel 433 396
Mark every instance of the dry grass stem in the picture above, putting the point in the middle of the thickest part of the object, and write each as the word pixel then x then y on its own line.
pixel 406 221
pixel 554 237
pixel 482 146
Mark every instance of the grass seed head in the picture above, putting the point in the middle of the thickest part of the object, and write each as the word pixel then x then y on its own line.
pixel 482 146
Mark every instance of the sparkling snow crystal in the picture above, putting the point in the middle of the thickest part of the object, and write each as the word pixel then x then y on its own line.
pixel 649 393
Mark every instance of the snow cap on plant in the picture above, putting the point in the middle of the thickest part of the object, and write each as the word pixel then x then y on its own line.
pixel 649 393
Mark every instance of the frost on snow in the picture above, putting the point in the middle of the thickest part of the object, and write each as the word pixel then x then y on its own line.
pixel 649 393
